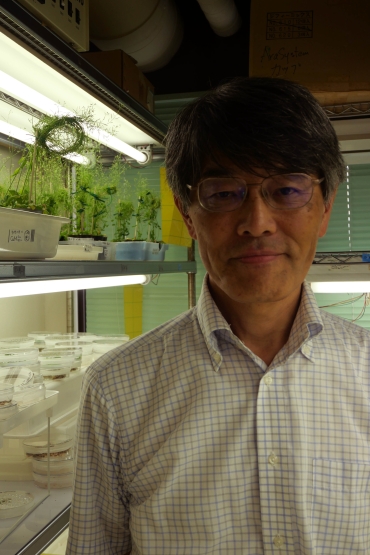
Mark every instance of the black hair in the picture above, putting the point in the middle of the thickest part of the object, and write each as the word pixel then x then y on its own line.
pixel 254 122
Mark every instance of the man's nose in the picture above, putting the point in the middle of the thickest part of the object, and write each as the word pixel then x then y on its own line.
pixel 255 217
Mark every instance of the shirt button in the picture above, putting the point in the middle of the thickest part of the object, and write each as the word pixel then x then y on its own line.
pixel 273 459
pixel 278 541
pixel 267 380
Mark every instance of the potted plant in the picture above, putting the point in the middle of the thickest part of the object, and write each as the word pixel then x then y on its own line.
pixel 92 201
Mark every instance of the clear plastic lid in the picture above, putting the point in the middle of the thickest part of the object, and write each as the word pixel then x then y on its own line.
pixel 38 445
pixel 52 339
pixel 105 345
pixel 70 347
pixel 56 357
pixel 118 337
pixel 18 342
pixel 6 393
pixel 86 346
pixel 30 394
pixel 15 503
pixel 16 375
pixel 40 335
pixel 86 336
pixel 8 410
pixel 12 356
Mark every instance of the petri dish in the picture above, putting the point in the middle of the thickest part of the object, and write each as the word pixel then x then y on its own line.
pixel 15 503
pixel 60 446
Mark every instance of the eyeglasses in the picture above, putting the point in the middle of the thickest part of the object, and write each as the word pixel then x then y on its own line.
pixel 282 192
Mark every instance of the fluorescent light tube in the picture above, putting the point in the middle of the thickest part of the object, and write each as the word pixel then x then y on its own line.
pixel 26 94
pixel 12 131
pixel 24 288
pixel 340 286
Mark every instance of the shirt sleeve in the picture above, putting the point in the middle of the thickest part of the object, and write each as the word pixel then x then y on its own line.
pixel 99 522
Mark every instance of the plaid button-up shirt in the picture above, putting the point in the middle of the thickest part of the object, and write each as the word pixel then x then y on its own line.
pixel 188 444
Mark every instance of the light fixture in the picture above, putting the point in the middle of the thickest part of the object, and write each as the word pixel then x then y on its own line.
pixel 22 135
pixel 20 91
pixel 24 288
pixel 28 79
pixel 340 286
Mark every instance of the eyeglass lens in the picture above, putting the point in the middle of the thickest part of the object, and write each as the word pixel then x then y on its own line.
pixel 224 194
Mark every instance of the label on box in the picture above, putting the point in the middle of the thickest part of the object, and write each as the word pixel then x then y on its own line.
pixel 21 235
pixel 289 25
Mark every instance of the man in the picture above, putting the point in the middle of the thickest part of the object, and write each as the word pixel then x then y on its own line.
pixel 242 426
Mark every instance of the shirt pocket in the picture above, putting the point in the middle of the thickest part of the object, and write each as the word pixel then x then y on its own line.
pixel 340 515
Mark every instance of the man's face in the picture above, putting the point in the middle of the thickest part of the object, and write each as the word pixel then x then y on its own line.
pixel 257 254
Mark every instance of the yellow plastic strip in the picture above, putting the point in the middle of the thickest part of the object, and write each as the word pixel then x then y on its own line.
pixel 174 230
pixel 133 309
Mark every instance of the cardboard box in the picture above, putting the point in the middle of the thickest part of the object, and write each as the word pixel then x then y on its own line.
pixel 121 68
pixel 322 44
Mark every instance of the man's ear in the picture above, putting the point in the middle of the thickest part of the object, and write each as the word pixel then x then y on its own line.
pixel 187 218
pixel 326 215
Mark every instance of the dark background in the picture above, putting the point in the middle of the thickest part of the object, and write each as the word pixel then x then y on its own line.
pixel 204 59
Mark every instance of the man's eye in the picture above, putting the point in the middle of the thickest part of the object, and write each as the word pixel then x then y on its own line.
pixel 287 191
pixel 223 194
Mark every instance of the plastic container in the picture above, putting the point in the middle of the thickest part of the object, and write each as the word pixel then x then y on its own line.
pixel 58 467
pixel 155 251
pixel 15 503
pixel 6 394
pixel 50 340
pixel 17 376
pixel 78 252
pixel 85 346
pixel 18 357
pixel 56 358
pixel 131 250
pixel 8 410
pixel 56 372
pixel 28 235
pixel 29 394
pixel 77 351
pixel 102 346
pixel 60 446
pixel 56 482
pixel 17 342
pixel 39 337
pixel 122 337
pixel 86 336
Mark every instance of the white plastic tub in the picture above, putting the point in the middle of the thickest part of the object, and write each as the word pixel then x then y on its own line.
pixel 28 235
pixel 78 252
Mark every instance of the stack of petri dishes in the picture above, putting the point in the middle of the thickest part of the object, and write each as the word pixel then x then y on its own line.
pixel 60 463
pixel 57 364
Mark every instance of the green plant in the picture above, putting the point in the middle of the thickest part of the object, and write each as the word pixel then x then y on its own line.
pixel 93 199
pixel 150 205
pixel 122 219
pixel 41 180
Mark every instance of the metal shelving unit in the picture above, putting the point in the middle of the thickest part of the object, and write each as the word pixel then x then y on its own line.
pixel 31 270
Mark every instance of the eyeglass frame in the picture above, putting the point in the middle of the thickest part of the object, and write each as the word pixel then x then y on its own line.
pixel 197 187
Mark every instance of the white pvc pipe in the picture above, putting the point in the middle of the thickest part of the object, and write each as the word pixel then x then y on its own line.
pixel 222 16
pixel 153 43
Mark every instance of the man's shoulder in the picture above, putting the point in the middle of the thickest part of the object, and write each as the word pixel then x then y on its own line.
pixel 147 350
pixel 345 329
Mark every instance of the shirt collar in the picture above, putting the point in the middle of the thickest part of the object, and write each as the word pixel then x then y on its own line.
pixel 307 324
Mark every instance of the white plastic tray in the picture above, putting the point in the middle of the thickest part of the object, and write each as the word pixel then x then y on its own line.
pixel 26 413
pixel 28 235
